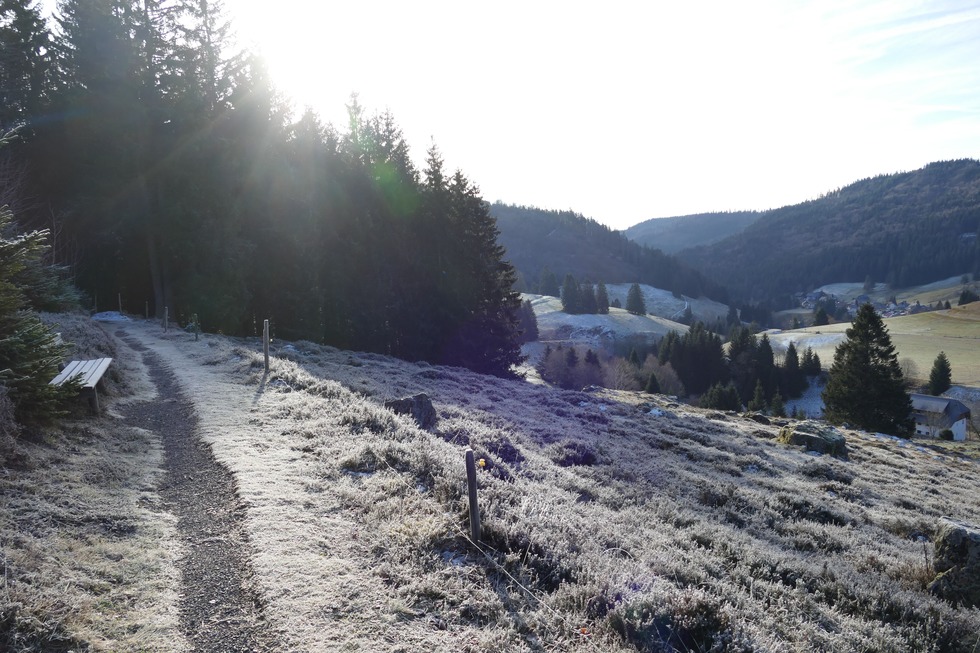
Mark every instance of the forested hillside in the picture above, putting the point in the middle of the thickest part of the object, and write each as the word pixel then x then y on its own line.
pixel 171 175
pixel 564 242
pixel 672 235
pixel 902 229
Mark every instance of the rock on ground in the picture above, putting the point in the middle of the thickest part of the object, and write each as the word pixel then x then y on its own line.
pixel 958 563
pixel 815 436
pixel 419 407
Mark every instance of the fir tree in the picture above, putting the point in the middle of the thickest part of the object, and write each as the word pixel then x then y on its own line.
pixel 29 352
pixel 528 322
pixel 821 318
pixel 601 299
pixel 940 378
pixel 810 365
pixel 866 387
pixel 794 381
pixel 721 397
pixel 777 408
pixel 634 300
pixel 570 302
pixel 548 284
pixel 758 398
pixel 652 386
pixel 587 299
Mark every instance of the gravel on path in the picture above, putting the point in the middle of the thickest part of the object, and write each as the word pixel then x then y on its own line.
pixel 219 609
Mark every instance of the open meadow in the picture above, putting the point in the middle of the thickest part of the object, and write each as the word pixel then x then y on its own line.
pixel 917 337
pixel 612 521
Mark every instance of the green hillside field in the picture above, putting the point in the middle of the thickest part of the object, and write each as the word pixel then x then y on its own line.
pixel 917 337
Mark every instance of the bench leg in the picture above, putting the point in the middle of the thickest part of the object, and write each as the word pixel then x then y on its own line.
pixel 93 400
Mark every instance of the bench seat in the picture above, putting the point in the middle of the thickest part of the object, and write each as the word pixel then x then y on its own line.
pixel 89 373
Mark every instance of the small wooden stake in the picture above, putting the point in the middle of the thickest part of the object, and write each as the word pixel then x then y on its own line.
pixel 474 506
pixel 148 310
pixel 265 343
pixel 120 302
pixel 166 318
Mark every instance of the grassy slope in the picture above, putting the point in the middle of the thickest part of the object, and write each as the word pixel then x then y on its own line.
pixel 918 337
pixel 606 527
pixel 87 551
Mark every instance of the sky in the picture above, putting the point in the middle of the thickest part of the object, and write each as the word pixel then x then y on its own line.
pixel 629 110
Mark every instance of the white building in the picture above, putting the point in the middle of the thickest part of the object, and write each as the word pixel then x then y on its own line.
pixel 936 414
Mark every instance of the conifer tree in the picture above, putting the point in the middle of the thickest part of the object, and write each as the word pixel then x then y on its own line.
pixel 758 398
pixel 810 365
pixel 794 381
pixel 652 386
pixel 587 299
pixel 528 322
pixel 866 387
pixel 570 302
pixel 601 299
pixel 777 407
pixel 548 284
pixel 821 318
pixel 940 378
pixel 29 352
pixel 634 300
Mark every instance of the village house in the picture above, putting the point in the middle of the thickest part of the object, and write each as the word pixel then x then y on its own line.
pixel 936 414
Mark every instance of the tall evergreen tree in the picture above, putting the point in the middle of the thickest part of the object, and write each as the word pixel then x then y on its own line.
pixel 941 375
pixel 528 322
pixel 866 387
pixel 570 302
pixel 25 63
pixel 794 381
pixel 29 352
pixel 548 284
pixel 634 300
pixel 587 299
pixel 601 299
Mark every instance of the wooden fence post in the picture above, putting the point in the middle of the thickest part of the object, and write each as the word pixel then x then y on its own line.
pixel 120 302
pixel 166 318
pixel 265 343
pixel 474 506
pixel 147 309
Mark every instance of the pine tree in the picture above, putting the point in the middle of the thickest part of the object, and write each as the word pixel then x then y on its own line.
pixel 587 299
pixel 777 407
pixel 940 378
pixel 29 352
pixel 810 365
pixel 601 299
pixel 794 381
pixel 758 398
pixel 570 302
pixel 634 300
pixel 821 318
pixel 653 386
pixel 528 322
pixel 25 64
pixel 866 387
pixel 548 284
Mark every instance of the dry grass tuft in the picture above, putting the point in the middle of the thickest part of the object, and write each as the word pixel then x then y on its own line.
pixel 606 526
pixel 86 551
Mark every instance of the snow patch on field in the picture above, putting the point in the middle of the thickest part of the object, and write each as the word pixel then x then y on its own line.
pixel 554 324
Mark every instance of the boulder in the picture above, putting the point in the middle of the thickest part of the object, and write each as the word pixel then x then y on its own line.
pixel 757 417
pixel 958 562
pixel 815 436
pixel 419 407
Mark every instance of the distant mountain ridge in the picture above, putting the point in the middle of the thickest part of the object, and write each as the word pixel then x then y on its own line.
pixel 566 242
pixel 903 229
pixel 672 235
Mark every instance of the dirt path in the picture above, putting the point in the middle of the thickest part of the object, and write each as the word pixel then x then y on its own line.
pixel 219 608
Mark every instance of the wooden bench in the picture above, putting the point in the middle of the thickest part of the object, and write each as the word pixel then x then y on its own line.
pixel 89 373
